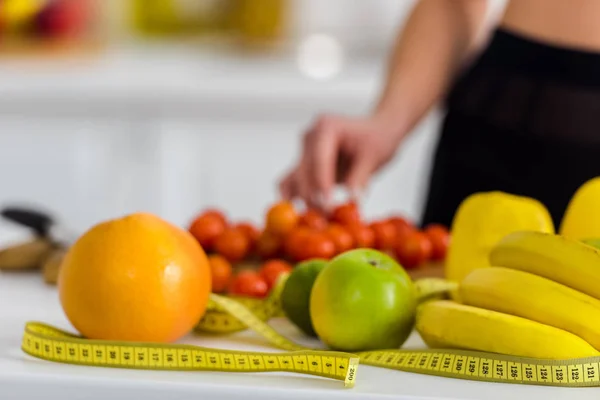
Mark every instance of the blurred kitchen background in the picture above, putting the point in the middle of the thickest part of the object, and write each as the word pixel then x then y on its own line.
pixel 170 106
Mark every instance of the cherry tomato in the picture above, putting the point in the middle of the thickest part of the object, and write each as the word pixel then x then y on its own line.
pixel 363 236
pixel 313 219
pixel 272 269
pixel 440 240
pixel 268 245
pixel 248 283
pixel 413 250
pixel 221 272
pixel 346 214
pixel 281 218
pixel 206 229
pixel 250 231
pixel 385 235
pixel 340 236
pixel 232 244
pixel 216 213
pixel 294 242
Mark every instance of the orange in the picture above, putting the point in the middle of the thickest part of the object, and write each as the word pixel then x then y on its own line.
pixel 281 218
pixel 221 272
pixel 135 278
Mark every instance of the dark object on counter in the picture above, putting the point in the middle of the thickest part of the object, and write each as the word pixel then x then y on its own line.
pixel 38 221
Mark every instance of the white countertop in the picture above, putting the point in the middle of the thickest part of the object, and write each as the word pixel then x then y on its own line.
pixel 24 297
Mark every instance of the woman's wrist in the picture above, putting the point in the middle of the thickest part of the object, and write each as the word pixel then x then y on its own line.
pixel 391 122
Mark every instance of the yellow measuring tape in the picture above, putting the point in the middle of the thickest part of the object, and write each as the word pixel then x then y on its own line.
pixel 230 315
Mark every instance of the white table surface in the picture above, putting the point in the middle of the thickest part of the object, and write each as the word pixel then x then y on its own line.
pixel 24 297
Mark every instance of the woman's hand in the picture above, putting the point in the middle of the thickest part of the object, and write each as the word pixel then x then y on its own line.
pixel 339 150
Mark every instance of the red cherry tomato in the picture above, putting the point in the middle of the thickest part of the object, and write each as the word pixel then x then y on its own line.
pixel 440 240
pixel 413 250
pixel 314 220
pixel 248 283
pixel 272 269
pixel 385 234
pixel 341 237
pixel 346 214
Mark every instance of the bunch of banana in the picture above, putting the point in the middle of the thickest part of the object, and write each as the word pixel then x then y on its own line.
pixel 35 254
pixel 540 298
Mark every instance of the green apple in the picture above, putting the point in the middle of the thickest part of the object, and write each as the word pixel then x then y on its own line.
pixel 363 300
pixel 295 296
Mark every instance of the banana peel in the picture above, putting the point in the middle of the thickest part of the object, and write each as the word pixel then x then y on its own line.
pixel 28 255
pixel 51 266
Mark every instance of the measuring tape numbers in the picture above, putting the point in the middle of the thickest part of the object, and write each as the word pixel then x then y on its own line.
pixel 52 344
pixel 226 315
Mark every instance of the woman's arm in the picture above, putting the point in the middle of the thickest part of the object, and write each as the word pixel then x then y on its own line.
pixel 437 39
pixel 435 42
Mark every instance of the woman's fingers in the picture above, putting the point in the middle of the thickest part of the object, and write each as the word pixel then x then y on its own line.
pixel 324 144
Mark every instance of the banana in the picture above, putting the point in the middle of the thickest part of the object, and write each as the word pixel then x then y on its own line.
pixel 434 288
pixel 533 297
pixel 51 266
pixel 28 255
pixel 566 261
pixel 446 324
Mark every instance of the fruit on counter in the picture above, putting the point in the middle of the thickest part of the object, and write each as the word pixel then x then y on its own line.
pixel 248 283
pixel 281 218
pixel 363 299
pixel 214 212
pixel 533 297
pixel 313 219
pixel 51 266
pixel 232 244
pixel 206 228
pixel 16 15
pixel 26 255
pixel 315 245
pixel 447 324
pixel 482 220
pixel 413 250
pixel 582 216
pixel 293 245
pixel 594 242
pixel 439 236
pixel 295 296
pixel 434 288
pixel 402 225
pixel 363 236
pixel 62 18
pixel 250 231
pixel 297 236
pixel 221 273
pixel 385 235
pixel 346 214
pixel 341 237
pixel 566 261
pixel 135 278
pixel 268 245
pixel 271 270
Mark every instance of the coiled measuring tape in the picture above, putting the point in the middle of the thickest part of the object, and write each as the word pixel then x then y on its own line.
pixel 228 315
